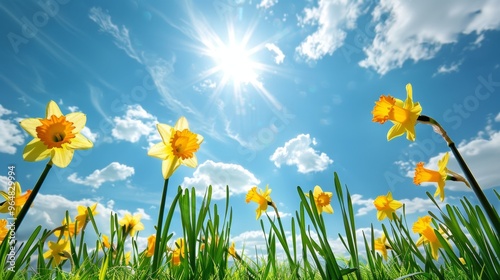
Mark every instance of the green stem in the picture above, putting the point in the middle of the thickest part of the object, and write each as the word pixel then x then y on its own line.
pixel 477 190
pixel 27 205
pixel 157 251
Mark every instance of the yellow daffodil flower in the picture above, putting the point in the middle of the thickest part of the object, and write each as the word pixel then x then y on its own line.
pixel 3 229
pixel 105 241
pixel 178 252
pixel 386 206
pixel 56 136
pixel 19 200
pixel 126 257
pixel 425 175
pixel 59 251
pixel 427 234
pixel 402 115
pixel 178 147
pixel 70 228
pixel 151 245
pixel 131 224
pixel 322 200
pixel 382 246
pixel 232 252
pixel 83 216
pixel 263 199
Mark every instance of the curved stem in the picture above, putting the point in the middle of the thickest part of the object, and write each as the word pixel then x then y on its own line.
pixel 477 190
pixel 31 198
pixel 157 251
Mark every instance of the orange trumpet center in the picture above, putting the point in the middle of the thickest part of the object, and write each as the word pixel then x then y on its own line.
pixel 55 131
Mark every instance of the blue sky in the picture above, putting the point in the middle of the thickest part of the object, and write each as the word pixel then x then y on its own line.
pixel 282 92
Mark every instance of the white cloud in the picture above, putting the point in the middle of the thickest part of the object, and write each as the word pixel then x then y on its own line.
pixel 266 4
pixel 73 109
pixel 89 134
pixel 367 204
pixel 219 175
pixel 445 69
pixel 298 151
pixel 134 124
pixel 333 18
pixel 481 155
pixel 111 173
pixel 279 54
pixel 121 36
pixel 402 35
pixel 497 118
pixel 10 134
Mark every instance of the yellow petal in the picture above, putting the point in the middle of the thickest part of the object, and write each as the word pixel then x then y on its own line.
pixel 381 215
pixel 409 97
pixel 35 150
pixel 78 119
pixel 169 165
pixel 165 131
pixel 317 191
pixel 159 150
pixel 181 124
pixel 328 209
pixel 80 142
pixel 199 138
pixel 395 131
pixel 190 162
pixel 61 157
pixel 30 126
pixel 52 109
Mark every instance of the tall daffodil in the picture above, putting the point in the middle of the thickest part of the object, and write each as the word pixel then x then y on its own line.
pixel 83 216
pixel 17 199
pixel 263 199
pixel 322 200
pixel 386 206
pixel 131 224
pixel 58 250
pixel 178 252
pixel 56 136
pixel 382 246
pixel 427 235
pixel 425 175
pixel 402 114
pixel 178 146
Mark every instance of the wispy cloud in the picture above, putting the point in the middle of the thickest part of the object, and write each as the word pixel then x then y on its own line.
pixel 445 69
pixel 120 35
pixel 113 172
pixel 219 175
pixel 299 152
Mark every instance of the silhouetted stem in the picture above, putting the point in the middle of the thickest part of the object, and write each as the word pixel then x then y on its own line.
pixel 477 189
pixel 31 198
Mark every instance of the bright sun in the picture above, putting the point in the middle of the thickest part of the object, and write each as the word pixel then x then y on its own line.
pixel 235 64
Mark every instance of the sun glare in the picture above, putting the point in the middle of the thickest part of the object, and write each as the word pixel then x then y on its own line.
pixel 235 64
